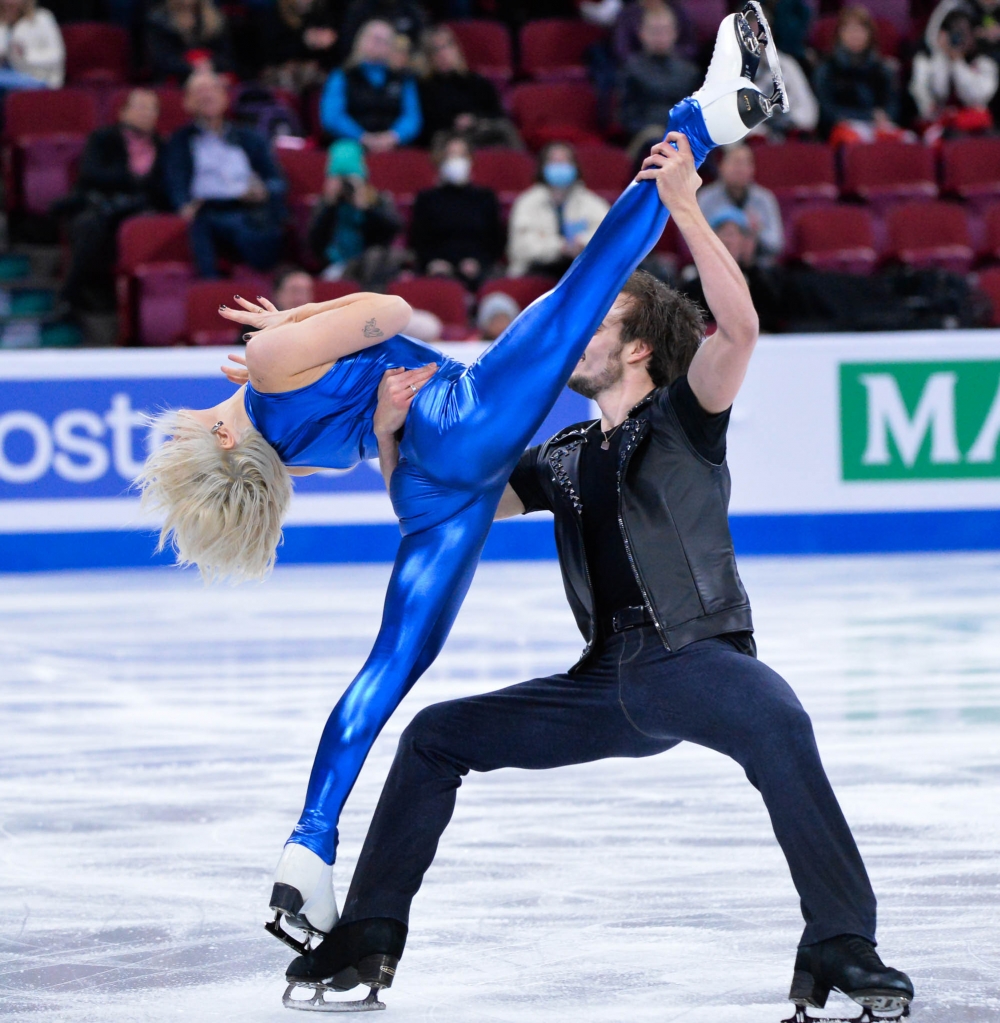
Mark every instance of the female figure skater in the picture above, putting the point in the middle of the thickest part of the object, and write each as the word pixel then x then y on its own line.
pixel 312 377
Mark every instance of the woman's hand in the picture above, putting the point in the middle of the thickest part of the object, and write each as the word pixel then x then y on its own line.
pixel 673 170
pixel 236 376
pixel 396 391
pixel 260 314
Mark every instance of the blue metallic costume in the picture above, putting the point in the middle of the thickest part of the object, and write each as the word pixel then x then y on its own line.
pixel 466 429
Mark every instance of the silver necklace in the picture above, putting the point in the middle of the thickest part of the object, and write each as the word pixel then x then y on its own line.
pixel 606 443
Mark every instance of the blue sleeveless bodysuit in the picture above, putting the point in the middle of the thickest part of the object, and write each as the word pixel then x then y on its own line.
pixel 465 431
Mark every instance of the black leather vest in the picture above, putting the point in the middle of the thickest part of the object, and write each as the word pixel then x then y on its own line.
pixel 375 109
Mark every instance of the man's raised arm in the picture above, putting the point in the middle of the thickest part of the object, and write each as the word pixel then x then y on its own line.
pixel 717 370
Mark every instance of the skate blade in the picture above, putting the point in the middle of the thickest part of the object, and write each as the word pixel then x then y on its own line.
pixel 318 1002
pixel 875 1009
pixel 779 97
pixel 302 946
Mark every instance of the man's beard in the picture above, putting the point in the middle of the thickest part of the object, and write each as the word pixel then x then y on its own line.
pixel 592 387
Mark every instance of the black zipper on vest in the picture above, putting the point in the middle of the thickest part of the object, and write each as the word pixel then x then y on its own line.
pixel 632 427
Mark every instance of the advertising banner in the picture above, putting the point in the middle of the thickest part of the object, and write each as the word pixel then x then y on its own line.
pixel 837 443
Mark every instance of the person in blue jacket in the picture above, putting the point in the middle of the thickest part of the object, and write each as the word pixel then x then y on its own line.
pixel 368 100
pixel 223 180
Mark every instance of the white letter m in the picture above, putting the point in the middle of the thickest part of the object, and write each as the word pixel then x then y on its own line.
pixel 887 414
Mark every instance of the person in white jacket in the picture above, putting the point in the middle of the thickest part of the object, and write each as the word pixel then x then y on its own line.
pixel 32 54
pixel 553 220
pixel 952 74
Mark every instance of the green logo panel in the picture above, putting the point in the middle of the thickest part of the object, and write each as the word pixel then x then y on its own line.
pixel 920 420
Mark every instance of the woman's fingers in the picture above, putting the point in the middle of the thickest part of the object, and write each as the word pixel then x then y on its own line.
pixel 267 304
pixel 253 307
pixel 241 359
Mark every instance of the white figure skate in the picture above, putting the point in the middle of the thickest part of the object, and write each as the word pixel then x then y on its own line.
pixel 302 894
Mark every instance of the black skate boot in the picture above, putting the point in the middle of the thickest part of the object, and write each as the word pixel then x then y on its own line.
pixel 363 952
pixel 850 964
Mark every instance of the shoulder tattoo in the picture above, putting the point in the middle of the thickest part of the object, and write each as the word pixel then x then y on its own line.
pixel 371 329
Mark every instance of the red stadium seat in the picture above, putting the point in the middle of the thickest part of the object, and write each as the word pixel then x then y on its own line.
pixel 836 238
pixel 555 111
pixel 989 285
pixel 96 52
pixel 327 291
pixel 524 290
pixel 446 299
pixel 991 242
pixel 507 171
pixel 606 170
pixel 154 269
pixel 486 47
pixel 404 172
pixel 49 112
pixel 555 48
pixel 889 171
pixel 304 170
pixel 824 35
pixel 972 168
pixel 202 323
pixel 931 234
pixel 797 171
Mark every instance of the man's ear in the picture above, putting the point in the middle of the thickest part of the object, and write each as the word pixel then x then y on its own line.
pixel 226 438
pixel 638 351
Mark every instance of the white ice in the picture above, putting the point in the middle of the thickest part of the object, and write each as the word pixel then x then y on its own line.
pixel 157 737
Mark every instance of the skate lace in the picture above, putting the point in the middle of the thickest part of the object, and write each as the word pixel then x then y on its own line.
pixel 864 953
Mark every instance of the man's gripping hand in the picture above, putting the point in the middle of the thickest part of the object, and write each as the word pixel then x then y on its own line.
pixel 672 168
pixel 396 392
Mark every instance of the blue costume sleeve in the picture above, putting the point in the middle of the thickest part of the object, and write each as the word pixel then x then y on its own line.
pixel 333 113
pixel 463 438
pixel 410 121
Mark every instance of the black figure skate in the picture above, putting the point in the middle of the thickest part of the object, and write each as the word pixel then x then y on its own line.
pixel 851 965
pixel 363 952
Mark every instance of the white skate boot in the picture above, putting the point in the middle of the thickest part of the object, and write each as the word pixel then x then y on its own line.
pixel 303 894
pixel 730 102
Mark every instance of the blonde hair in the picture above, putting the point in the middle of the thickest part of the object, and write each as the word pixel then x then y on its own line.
pixel 223 508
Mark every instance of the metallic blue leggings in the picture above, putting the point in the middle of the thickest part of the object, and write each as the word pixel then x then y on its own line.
pixel 463 438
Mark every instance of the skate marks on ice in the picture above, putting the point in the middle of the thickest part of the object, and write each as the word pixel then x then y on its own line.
pixel 157 737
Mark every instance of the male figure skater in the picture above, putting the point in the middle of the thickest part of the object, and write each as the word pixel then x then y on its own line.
pixel 640 500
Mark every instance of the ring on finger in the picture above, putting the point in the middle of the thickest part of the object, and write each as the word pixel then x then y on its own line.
pixel 414 388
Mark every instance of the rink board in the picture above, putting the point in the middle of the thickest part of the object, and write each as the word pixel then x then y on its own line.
pixel 838 444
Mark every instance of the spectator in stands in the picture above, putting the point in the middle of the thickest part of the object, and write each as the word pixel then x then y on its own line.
pixel 368 101
pixel 32 54
pixel 119 176
pixel 353 226
pixel 790 21
pixel 224 182
pixel 953 82
pixel 455 100
pixel 627 33
pixel 405 16
pixel 857 90
pixel 736 188
pixel 552 221
pixel 297 40
pixel 497 311
pixel 654 80
pixel 184 36
pixel 293 287
pixel 455 227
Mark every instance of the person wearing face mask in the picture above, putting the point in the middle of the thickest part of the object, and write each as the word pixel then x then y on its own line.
pixel 455 227
pixel 553 220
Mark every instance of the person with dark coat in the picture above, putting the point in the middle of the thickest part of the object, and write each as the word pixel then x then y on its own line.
pixel 224 182
pixel 297 40
pixel 186 35
pixel 455 100
pixel 120 175
pixel 455 227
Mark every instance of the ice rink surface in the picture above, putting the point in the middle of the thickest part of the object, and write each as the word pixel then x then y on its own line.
pixel 157 737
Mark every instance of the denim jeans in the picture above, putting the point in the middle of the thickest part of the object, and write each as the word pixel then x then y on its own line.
pixel 632 698
pixel 245 233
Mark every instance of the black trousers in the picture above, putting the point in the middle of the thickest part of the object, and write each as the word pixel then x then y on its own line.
pixel 632 698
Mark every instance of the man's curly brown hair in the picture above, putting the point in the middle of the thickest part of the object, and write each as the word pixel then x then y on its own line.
pixel 671 323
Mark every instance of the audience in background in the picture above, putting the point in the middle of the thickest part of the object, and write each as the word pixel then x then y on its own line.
pixel 119 176
pixel 736 189
pixel 857 90
pixel 803 107
pixel 297 42
pixel 293 287
pixel 406 17
pixel 952 81
pixel 627 34
pixel 367 99
pixel 183 36
pixel 32 55
pixel 455 227
pixel 791 21
pixel 353 225
pixel 224 182
pixel 497 311
pixel 553 220
pixel 454 99
pixel 653 80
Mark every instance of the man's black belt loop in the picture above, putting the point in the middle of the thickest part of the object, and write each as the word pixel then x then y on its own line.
pixel 630 618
